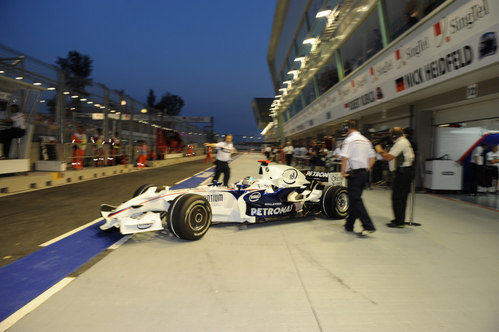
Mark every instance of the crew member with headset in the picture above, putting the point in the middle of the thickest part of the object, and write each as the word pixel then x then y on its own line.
pixel 224 150
pixel 401 158
pixel 357 158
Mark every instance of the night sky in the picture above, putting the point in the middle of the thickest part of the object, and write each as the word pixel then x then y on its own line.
pixel 211 53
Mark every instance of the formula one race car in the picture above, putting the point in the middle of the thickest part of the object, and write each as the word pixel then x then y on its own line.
pixel 278 192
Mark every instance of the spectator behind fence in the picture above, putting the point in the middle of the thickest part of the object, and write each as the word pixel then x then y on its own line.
pixel 79 140
pixel 115 143
pixel 17 129
pixel 98 148
pixel 142 152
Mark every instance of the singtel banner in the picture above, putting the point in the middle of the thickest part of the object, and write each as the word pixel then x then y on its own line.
pixel 459 39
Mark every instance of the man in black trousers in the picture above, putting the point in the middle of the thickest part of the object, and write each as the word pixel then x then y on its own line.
pixel 357 158
pixel 224 151
pixel 401 158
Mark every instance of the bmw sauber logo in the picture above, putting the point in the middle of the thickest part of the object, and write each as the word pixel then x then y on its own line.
pixel 254 197
pixel 289 176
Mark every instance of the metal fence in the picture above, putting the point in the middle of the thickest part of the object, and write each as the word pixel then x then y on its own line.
pixel 61 109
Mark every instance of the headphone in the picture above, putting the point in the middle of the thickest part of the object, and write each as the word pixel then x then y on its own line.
pixel 396 132
pixel 349 124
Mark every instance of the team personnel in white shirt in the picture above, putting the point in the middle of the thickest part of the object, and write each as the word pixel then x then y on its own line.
pixel 400 158
pixel 492 161
pixel 357 158
pixel 288 152
pixel 224 151
pixel 17 122
pixel 477 169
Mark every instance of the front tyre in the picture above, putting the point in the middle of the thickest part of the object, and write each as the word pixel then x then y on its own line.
pixel 142 189
pixel 334 202
pixel 189 216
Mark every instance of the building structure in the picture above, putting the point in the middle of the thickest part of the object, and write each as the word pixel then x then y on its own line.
pixel 430 65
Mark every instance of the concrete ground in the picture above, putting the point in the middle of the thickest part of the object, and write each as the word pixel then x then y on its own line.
pixel 296 275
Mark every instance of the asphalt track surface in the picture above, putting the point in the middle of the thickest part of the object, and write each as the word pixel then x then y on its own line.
pixel 30 219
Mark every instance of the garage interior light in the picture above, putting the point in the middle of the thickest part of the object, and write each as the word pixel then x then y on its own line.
pixel 323 13
pixel 310 41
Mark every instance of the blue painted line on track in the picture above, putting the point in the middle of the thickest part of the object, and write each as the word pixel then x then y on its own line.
pixel 28 277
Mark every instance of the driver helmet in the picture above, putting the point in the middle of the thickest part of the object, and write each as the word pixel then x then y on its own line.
pixel 248 181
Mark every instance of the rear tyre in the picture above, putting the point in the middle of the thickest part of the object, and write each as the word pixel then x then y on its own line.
pixel 334 202
pixel 142 189
pixel 189 216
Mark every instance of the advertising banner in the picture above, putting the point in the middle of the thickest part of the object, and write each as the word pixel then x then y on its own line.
pixel 459 39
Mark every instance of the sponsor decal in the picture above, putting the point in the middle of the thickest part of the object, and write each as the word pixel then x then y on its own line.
pixel 289 176
pixel 365 99
pixel 487 45
pixel 454 24
pixel 474 14
pixel 452 61
pixel 399 84
pixel 215 198
pixel 439 34
pixel 144 226
pixel 383 68
pixel 398 59
pixel 416 50
pixel 269 211
pixel 361 81
pixel 336 179
pixel 254 197
pixel 317 174
pixel 379 93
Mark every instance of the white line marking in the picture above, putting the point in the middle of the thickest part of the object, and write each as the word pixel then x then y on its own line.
pixel 181 181
pixel 120 242
pixel 15 317
pixel 192 176
pixel 70 233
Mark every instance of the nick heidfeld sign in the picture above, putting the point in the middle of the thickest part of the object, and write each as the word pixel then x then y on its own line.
pixel 450 62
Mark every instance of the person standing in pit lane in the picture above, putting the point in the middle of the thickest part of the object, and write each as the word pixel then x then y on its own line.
pixel 492 162
pixel 400 158
pixel 477 169
pixel 357 158
pixel 268 150
pixel 224 151
pixel 288 151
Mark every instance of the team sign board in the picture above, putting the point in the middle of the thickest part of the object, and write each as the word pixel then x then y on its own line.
pixel 459 39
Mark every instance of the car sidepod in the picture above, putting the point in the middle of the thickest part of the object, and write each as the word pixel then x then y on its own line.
pixel 260 204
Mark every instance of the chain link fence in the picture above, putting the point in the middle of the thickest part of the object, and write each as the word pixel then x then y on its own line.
pixel 100 110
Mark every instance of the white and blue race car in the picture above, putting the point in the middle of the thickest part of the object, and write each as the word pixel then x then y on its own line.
pixel 278 192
